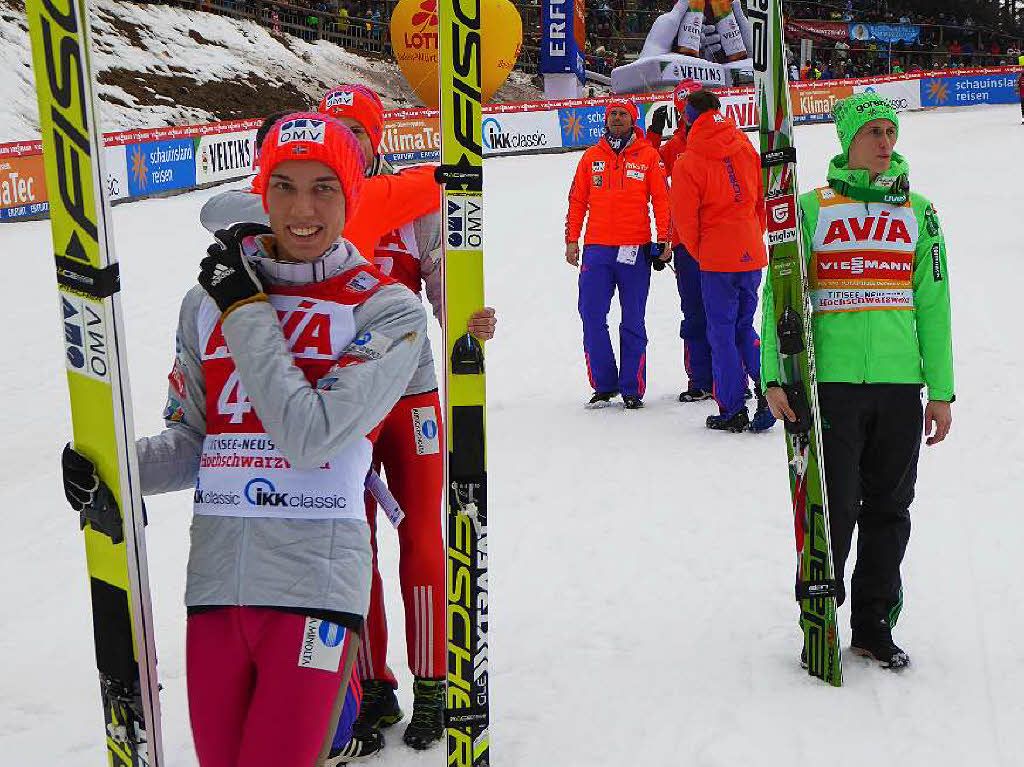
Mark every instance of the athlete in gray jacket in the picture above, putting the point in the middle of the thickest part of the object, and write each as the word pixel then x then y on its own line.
pixel 288 357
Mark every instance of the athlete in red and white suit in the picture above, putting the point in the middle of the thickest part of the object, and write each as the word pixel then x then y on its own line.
pixel 409 446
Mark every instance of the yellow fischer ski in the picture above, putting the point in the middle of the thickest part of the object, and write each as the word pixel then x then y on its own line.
pixel 94 346
pixel 461 172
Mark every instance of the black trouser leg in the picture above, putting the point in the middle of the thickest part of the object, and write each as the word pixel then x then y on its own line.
pixel 888 476
pixel 842 433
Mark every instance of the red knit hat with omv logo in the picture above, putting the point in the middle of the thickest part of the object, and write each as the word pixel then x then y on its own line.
pixel 313 136
pixel 361 104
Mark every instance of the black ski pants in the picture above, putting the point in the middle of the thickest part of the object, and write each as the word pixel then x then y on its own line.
pixel 871 435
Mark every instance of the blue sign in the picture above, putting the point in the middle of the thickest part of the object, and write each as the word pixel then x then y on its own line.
pixel 160 166
pixel 885 33
pixel 968 90
pixel 561 50
pixel 401 158
pixel 28 209
pixel 582 126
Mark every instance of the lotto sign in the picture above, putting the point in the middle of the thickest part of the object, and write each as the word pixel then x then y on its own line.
pixel 781 219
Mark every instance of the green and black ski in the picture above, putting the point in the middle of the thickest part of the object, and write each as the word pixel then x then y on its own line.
pixel 787 271
pixel 467 713
pixel 94 345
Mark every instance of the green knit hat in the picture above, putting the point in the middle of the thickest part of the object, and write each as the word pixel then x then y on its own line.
pixel 851 113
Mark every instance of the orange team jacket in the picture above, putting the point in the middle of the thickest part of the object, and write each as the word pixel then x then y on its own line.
pixel 611 191
pixel 388 202
pixel 717 202
pixel 670 152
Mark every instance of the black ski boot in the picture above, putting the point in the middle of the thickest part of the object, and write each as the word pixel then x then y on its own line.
pixel 601 399
pixel 875 642
pixel 365 742
pixel 632 402
pixel 695 395
pixel 735 423
pixel 427 724
pixel 379 708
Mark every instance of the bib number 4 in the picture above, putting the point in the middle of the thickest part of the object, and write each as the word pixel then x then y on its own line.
pixel 233 401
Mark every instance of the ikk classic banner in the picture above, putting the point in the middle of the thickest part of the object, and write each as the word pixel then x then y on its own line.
pixel 563 39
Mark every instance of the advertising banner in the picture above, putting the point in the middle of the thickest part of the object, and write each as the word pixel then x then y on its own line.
pixel 115 166
pixel 581 126
pixel 521 132
pixel 160 166
pixel 827 30
pixel 22 186
pixel 563 38
pixel 142 162
pixel 885 33
pixel 411 140
pixel 224 156
pixel 902 95
pixel 965 90
pixel 815 103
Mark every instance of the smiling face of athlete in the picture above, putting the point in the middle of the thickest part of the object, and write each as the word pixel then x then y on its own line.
pixel 306 205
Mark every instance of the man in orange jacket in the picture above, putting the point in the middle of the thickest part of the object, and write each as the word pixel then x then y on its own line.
pixel 693 328
pixel 718 209
pixel 614 182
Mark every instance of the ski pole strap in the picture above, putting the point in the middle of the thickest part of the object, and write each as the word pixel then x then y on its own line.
pixel 775 157
pixel 815 589
pixel 83 277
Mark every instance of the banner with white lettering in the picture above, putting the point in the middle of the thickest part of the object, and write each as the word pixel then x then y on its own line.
pixel 564 38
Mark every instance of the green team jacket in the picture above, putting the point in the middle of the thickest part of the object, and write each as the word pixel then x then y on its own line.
pixel 878 346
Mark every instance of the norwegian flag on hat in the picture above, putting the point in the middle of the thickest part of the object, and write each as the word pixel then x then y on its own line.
pixel 684 89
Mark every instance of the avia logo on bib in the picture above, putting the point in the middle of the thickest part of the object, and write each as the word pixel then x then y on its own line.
pixel 879 228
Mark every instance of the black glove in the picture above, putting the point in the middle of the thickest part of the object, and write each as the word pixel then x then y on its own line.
pixel 658 120
pixel 225 273
pixel 654 251
pixel 89 496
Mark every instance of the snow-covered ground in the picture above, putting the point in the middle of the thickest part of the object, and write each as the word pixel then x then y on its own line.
pixel 641 567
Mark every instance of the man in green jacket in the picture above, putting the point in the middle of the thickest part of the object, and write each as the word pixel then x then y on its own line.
pixel 877 275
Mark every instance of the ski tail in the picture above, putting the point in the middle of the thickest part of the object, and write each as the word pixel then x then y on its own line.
pixel 467 714
pixel 816 588
pixel 89 287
